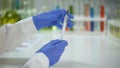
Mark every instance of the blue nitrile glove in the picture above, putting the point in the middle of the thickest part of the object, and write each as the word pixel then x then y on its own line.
pixel 53 50
pixel 52 18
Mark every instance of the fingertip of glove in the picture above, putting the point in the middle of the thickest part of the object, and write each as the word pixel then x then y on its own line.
pixel 70 23
pixel 65 42
pixel 70 15
pixel 60 42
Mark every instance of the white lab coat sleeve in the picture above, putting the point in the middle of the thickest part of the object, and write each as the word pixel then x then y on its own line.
pixel 39 60
pixel 2 38
pixel 14 34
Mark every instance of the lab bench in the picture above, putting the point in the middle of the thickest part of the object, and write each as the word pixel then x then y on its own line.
pixel 84 50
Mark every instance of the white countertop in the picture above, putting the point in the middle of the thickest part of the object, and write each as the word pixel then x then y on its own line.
pixel 83 51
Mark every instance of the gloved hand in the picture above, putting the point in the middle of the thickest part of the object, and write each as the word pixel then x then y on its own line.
pixel 52 18
pixel 53 50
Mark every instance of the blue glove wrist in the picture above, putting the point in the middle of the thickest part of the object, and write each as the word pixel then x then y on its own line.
pixel 53 50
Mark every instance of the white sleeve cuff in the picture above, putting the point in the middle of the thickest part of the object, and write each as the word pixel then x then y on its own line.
pixel 39 60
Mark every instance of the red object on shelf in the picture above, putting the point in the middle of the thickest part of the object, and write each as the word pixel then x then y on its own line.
pixel 87 14
pixel 102 26
pixel 86 11
pixel 87 25
pixel 102 11
pixel 102 15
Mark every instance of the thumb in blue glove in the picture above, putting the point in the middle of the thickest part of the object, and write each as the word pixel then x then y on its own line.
pixel 52 18
pixel 53 50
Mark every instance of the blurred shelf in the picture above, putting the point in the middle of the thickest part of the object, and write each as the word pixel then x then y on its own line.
pixel 83 18
pixel 88 33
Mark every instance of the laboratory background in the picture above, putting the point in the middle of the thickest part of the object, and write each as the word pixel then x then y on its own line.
pixel 93 41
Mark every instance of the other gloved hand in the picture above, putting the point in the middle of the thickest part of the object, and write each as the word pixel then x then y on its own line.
pixel 52 18
pixel 53 50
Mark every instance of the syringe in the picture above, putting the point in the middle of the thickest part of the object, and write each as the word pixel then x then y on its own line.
pixel 64 25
